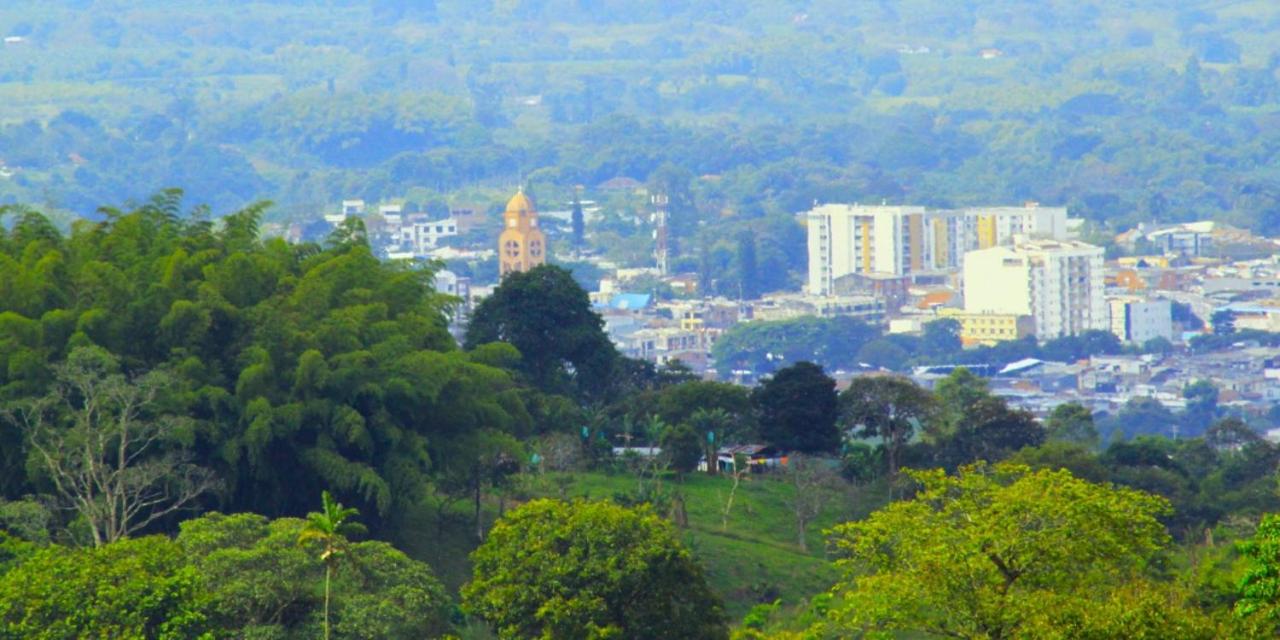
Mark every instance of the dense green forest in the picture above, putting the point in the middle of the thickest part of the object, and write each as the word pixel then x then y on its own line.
pixel 744 112
pixel 211 434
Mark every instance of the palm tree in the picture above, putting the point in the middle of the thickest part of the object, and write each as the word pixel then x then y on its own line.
pixel 711 424
pixel 330 528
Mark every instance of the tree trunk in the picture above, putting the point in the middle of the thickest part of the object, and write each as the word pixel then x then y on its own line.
pixel 802 526
pixel 328 571
pixel 479 523
pixel 678 512
pixel 891 452
pixel 728 506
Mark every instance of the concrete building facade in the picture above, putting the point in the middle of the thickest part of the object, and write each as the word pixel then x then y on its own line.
pixel 907 240
pixel 1059 284
pixel 990 328
pixel 1138 320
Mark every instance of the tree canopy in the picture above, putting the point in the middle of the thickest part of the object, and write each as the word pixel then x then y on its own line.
pixel 798 409
pixel 544 314
pixel 554 569
pixel 994 552
pixel 300 367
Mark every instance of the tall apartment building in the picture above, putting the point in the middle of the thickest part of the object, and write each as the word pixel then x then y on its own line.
pixel 1000 226
pixel 901 240
pixel 1058 283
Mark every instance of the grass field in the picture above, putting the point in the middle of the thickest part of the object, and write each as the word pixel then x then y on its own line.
pixel 755 558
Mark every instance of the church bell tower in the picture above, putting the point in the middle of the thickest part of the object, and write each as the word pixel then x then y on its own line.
pixel 522 246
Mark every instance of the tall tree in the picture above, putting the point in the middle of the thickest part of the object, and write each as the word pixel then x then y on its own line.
pixel 541 575
pixel 798 409
pixel 330 528
pixel 975 425
pixel 548 318
pixel 992 552
pixel 261 583
pixel 478 460
pixel 1202 406
pixel 1072 422
pixel 1259 600
pixel 111 457
pixel 679 403
pixel 991 431
pixel 813 485
pixel 711 426
pixel 760 346
pixel 956 393
pixel 682 447
pixel 941 338
pixel 1230 435
pixel 889 408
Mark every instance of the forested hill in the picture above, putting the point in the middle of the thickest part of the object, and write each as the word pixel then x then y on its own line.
pixel 1123 110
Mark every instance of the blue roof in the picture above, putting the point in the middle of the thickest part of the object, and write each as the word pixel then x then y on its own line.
pixel 630 301
pixel 1245 307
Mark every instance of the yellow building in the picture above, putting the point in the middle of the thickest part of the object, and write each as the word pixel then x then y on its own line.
pixel 989 328
pixel 1151 262
pixel 522 246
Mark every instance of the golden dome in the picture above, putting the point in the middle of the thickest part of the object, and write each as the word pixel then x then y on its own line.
pixel 519 204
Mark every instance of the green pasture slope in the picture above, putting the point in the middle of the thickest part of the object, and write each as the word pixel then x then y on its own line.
pixel 756 558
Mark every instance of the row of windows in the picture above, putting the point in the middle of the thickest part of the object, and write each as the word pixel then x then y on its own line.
pixel 512 248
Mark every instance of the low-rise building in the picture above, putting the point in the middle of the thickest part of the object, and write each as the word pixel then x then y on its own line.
pixel 422 237
pixel 665 344
pixel 989 328
pixel 790 306
pixel 1263 315
pixel 1137 320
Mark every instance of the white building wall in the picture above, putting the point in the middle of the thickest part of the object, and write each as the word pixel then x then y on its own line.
pixel 887 252
pixel 997 280
pixel 422 237
pixel 1059 284
pixel 1136 320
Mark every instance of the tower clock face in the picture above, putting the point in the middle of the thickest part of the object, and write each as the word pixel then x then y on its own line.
pixel 512 248
pixel 535 248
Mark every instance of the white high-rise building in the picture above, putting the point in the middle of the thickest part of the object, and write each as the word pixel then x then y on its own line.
pixel 900 240
pixel 846 239
pixel 1058 283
